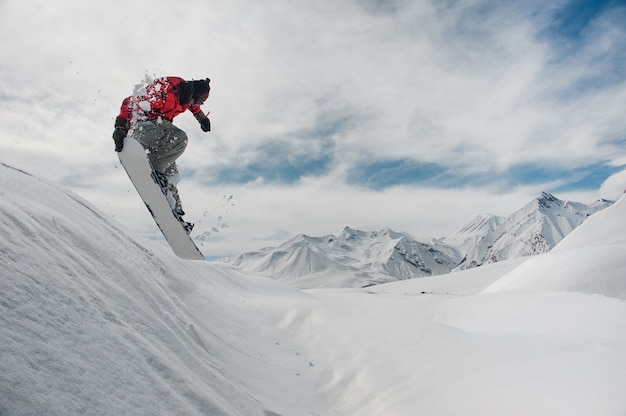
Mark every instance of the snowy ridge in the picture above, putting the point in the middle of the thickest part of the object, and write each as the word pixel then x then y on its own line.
pixel 352 257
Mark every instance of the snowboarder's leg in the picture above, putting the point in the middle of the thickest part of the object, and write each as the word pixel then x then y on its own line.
pixel 168 184
pixel 166 143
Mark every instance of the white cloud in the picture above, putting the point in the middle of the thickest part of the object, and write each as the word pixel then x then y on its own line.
pixel 471 86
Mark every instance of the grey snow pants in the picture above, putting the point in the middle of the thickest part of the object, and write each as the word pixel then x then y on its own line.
pixel 164 141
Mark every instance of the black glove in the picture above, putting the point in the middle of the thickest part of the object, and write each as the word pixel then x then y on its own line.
pixel 118 137
pixel 121 130
pixel 205 123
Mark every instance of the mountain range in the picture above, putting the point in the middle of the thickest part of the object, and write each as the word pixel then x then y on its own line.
pixel 353 258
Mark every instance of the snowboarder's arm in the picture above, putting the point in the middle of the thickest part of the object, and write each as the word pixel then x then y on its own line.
pixel 121 130
pixel 126 110
pixel 205 123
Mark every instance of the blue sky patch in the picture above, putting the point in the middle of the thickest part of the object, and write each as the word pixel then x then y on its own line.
pixel 572 21
pixel 581 178
pixel 577 26
pixel 382 175
pixel 277 162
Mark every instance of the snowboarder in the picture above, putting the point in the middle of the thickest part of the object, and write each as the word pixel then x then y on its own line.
pixel 149 118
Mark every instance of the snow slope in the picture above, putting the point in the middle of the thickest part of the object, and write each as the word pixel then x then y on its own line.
pixel 94 323
pixel 97 321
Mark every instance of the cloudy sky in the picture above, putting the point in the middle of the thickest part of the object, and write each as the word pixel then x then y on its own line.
pixel 416 115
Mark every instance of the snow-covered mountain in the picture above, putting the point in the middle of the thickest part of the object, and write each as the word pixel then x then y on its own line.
pixel 352 257
pixel 95 320
pixel 534 229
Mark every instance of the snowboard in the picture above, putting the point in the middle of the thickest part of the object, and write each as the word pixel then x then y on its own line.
pixel 135 161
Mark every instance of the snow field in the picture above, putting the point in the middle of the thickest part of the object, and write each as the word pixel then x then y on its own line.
pixel 512 353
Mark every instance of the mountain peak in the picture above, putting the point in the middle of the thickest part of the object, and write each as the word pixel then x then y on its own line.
pixel 534 229
pixel 348 234
pixel 547 195
pixel 546 200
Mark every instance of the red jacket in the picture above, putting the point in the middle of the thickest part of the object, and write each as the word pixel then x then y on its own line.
pixel 160 100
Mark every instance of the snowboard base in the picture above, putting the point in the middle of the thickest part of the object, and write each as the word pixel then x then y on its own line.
pixel 137 165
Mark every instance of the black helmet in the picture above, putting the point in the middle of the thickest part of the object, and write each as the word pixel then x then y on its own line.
pixel 194 92
pixel 201 90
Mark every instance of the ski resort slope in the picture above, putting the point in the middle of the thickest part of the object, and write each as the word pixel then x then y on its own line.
pixel 97 321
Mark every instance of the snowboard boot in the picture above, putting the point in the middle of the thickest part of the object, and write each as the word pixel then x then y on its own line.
pixel 168 186
pixel 171 193
pixel 188 226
